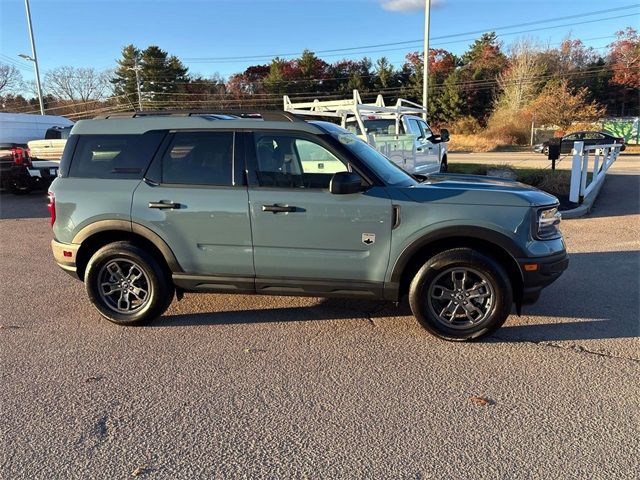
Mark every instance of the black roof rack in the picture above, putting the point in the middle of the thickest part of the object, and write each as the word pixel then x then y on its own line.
pixel 267 115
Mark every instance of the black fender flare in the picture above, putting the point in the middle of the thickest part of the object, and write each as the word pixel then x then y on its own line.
pixel 132 228
pixel 467 232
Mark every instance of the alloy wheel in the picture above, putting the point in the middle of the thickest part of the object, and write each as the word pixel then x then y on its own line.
pixel 461 297
pixel 124 286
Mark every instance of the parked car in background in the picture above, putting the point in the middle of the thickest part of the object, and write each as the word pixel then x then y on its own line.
pixel 20 172
pixel 589 138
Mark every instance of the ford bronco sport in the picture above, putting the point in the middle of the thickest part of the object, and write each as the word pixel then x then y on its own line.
pixel 148 206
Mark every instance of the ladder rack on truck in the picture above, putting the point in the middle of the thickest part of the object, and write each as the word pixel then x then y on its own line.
pixel 354 107
pixel 397 131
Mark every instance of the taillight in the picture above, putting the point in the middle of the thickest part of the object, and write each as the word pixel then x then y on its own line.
pixel 21 156
pixel 51 206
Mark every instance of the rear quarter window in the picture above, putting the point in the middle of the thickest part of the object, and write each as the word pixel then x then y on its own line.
pixel 114 156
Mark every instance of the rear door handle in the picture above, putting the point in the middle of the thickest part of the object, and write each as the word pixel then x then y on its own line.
pixel 163 204
pixel 278 208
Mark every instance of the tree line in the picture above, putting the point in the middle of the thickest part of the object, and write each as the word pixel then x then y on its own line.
pixel 488 86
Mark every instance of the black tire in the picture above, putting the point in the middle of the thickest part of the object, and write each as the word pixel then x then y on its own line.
pixel 155 280
pixel 444 165
pixel 545 151
pixel 429 291
pixel 19 188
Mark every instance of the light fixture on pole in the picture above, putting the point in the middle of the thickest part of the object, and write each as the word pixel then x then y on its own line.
pixel 34 57
pixel 425 61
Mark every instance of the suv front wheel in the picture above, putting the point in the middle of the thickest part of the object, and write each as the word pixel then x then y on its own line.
pixel 461 294
pixel 127 285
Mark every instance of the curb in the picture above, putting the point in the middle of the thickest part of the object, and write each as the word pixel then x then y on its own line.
pixel 586 206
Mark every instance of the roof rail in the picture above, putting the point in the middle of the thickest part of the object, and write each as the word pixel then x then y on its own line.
pixel 267 115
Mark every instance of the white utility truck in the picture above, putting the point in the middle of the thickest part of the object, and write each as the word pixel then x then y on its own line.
pixel 397 131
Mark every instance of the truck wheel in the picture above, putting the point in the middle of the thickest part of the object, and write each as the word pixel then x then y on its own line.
pixel 18 187
pixel 127 285
pixel 444 166
pixel 461 294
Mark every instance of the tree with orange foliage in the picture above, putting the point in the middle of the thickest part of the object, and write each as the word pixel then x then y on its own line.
pixel 559 104
pixel 624 58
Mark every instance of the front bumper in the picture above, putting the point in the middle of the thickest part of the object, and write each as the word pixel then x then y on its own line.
pixel 547 270
pixel 65 256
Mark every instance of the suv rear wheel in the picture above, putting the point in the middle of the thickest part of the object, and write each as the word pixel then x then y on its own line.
pixel 127 285
pixel 461 294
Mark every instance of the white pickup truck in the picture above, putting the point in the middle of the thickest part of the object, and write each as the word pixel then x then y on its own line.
pixel 396 131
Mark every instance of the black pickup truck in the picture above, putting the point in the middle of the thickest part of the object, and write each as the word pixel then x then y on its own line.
pixel 14 168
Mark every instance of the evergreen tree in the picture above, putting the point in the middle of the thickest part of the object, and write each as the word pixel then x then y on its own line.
pixel 275 82
pixel 450 101
pixel 159 74
pixel 385 74
pixel 482 64
pixel 124 77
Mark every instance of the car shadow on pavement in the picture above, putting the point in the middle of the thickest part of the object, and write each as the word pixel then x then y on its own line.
pixel 584 304
pixel 327 309
pixel 596 298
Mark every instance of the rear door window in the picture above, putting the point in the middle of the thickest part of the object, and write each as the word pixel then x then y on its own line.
pixel 199 158
pixel 114 156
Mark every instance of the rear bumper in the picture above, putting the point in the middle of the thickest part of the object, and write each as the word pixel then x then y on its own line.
pixel 547 270
pixel 65 256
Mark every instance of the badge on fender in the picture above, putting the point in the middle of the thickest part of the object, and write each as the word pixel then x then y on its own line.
pixel 368 238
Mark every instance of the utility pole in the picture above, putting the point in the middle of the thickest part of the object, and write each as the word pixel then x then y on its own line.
pixel 533 122
pixel 425 67
pixel 34 57
pixel 136 69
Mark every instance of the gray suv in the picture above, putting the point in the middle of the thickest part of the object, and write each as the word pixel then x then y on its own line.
pixel 149 206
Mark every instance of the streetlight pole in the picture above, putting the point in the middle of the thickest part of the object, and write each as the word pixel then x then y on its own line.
pixel 35 56
pixel 425 66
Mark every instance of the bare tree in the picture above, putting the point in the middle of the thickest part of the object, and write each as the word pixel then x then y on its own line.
pixel 521 81
pixel 77 84
pixel 10 79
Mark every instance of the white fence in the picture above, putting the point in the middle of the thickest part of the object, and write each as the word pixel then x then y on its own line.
pixel 603 156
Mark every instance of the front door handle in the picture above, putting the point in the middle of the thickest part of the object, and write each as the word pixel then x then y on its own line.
pixel 163 204
pixel 278 208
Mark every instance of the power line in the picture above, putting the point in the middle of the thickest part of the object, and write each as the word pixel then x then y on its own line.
pixel 549 20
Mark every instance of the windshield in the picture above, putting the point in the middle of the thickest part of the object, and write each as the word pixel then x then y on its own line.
pixel 381 126
pixel 389 172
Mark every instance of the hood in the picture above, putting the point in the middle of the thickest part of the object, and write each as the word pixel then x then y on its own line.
pixel 477 190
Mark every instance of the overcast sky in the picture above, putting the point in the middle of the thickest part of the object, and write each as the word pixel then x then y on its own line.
pixel 210 36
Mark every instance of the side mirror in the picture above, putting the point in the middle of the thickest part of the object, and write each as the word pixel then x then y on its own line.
pixel 444 135
pixel 343 183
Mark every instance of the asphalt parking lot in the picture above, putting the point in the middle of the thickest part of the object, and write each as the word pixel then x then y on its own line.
pixel 273 387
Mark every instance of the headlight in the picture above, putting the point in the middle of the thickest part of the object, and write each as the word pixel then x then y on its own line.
pixel 548 223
